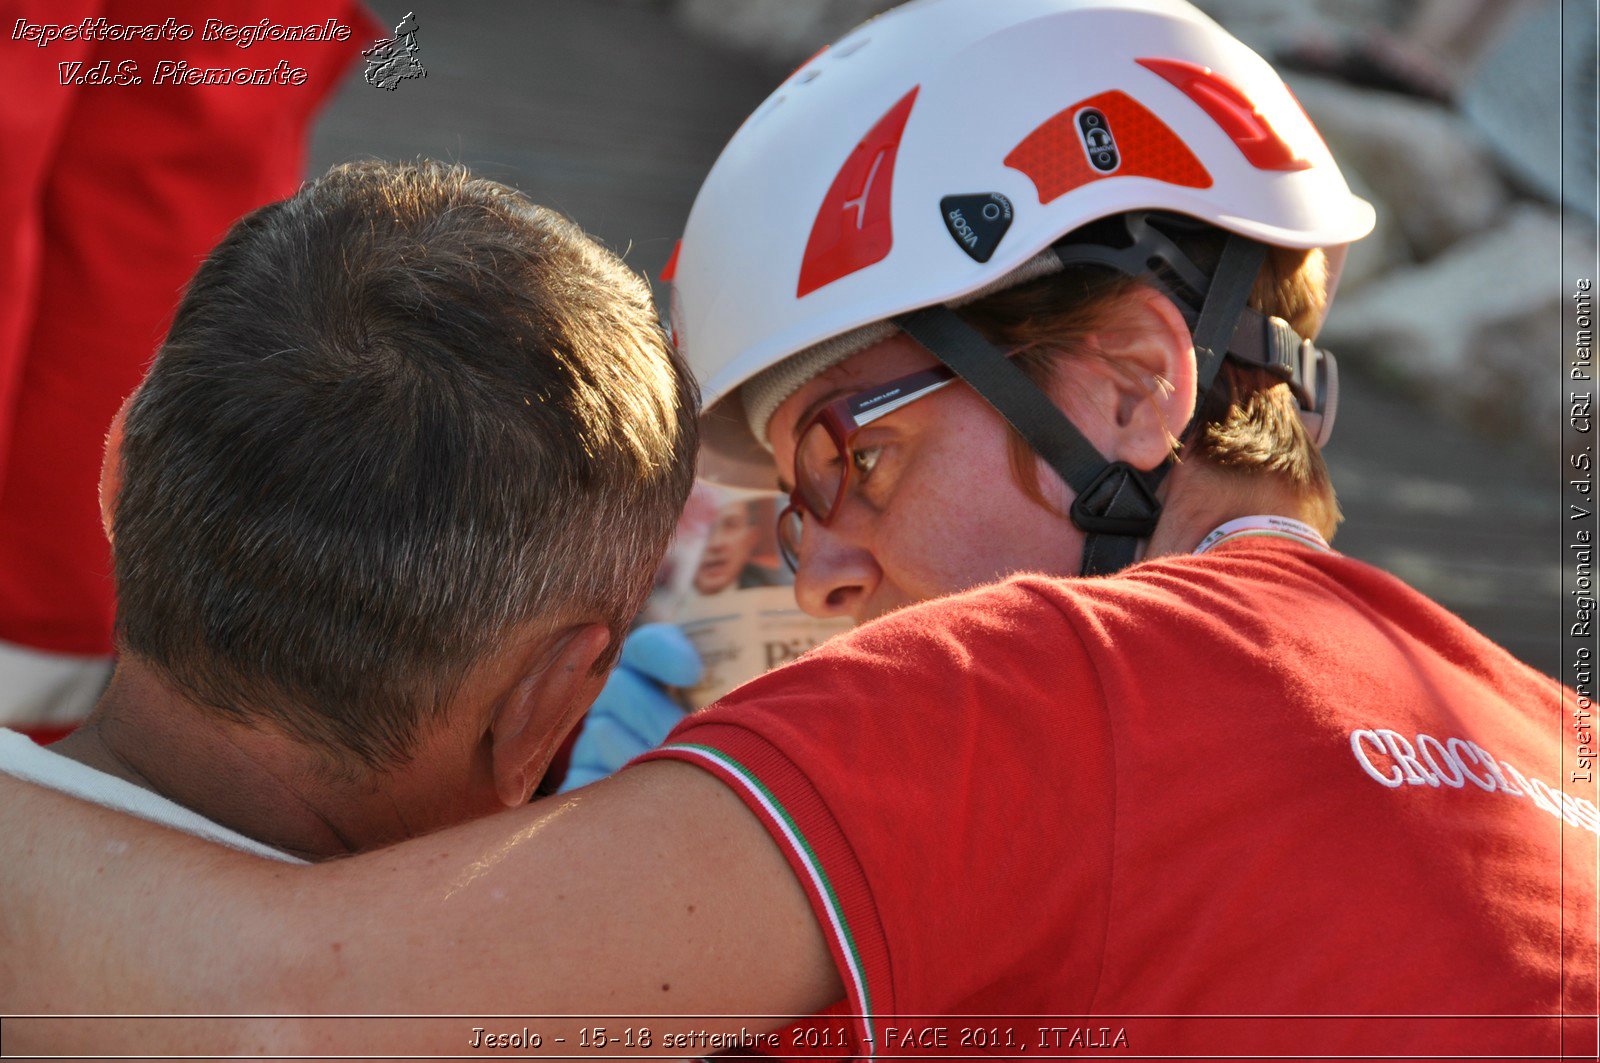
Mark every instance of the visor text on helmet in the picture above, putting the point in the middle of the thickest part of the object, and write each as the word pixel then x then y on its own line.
pixel 976 222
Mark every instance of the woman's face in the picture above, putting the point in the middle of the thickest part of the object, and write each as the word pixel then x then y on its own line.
pixel 933 507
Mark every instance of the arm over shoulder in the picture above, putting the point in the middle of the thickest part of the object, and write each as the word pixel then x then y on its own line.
pixel 652 892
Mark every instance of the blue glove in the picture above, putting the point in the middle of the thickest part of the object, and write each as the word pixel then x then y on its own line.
pixel 633 713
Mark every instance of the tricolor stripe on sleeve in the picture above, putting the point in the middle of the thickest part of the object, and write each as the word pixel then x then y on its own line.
pixel 816 883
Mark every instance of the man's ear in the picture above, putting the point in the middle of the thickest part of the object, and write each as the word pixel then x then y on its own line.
pixel 545 703
pixel 1146 394
pixel 111 466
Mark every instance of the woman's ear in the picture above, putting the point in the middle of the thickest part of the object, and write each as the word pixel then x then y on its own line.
pixel 111 466
pixel 1148 370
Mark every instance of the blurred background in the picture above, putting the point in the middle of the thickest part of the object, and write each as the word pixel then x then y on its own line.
pixel 1447 115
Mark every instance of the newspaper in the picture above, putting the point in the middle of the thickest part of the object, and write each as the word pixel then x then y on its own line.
pixel 725 585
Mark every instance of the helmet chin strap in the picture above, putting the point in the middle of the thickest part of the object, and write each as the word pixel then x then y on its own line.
pixel 1116 504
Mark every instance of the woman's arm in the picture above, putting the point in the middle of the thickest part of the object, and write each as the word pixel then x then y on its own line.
pixel 652 892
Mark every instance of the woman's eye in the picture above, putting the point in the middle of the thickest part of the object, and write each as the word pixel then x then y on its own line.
pixel 864 460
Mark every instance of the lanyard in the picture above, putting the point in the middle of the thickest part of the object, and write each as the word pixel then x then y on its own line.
pixel 1277 527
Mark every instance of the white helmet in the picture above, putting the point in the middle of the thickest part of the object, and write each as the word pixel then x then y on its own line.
pixel 942 150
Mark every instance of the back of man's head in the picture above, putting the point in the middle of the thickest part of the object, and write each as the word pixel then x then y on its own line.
pixel 398 417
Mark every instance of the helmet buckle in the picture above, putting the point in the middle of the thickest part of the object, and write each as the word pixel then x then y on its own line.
pixel 1117 502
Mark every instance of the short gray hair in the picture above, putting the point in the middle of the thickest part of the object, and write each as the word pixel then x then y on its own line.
pixel 398 416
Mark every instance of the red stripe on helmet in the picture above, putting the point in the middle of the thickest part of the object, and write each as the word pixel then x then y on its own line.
pixel 1231 109
pixel 853 229
pixel 1053 155
pixel 670 270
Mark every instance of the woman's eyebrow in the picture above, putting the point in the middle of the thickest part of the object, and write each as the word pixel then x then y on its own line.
pixel 818 403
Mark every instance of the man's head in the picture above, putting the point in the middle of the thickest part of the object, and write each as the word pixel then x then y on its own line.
pixel 735 536
pixel 400 476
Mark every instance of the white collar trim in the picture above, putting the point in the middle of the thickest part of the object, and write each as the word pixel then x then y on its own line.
pixel 1265 524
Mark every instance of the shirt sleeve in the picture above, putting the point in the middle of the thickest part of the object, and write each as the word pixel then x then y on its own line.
pixel 936 779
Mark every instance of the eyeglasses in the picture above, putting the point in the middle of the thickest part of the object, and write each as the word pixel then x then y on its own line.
pixel 824 458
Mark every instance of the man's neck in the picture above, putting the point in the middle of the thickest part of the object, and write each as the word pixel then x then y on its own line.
pixel 253 780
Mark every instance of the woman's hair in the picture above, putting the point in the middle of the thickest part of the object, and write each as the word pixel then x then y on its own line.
pixel 1248 432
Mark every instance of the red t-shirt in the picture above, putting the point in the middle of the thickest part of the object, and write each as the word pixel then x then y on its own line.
pixel 1186 807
